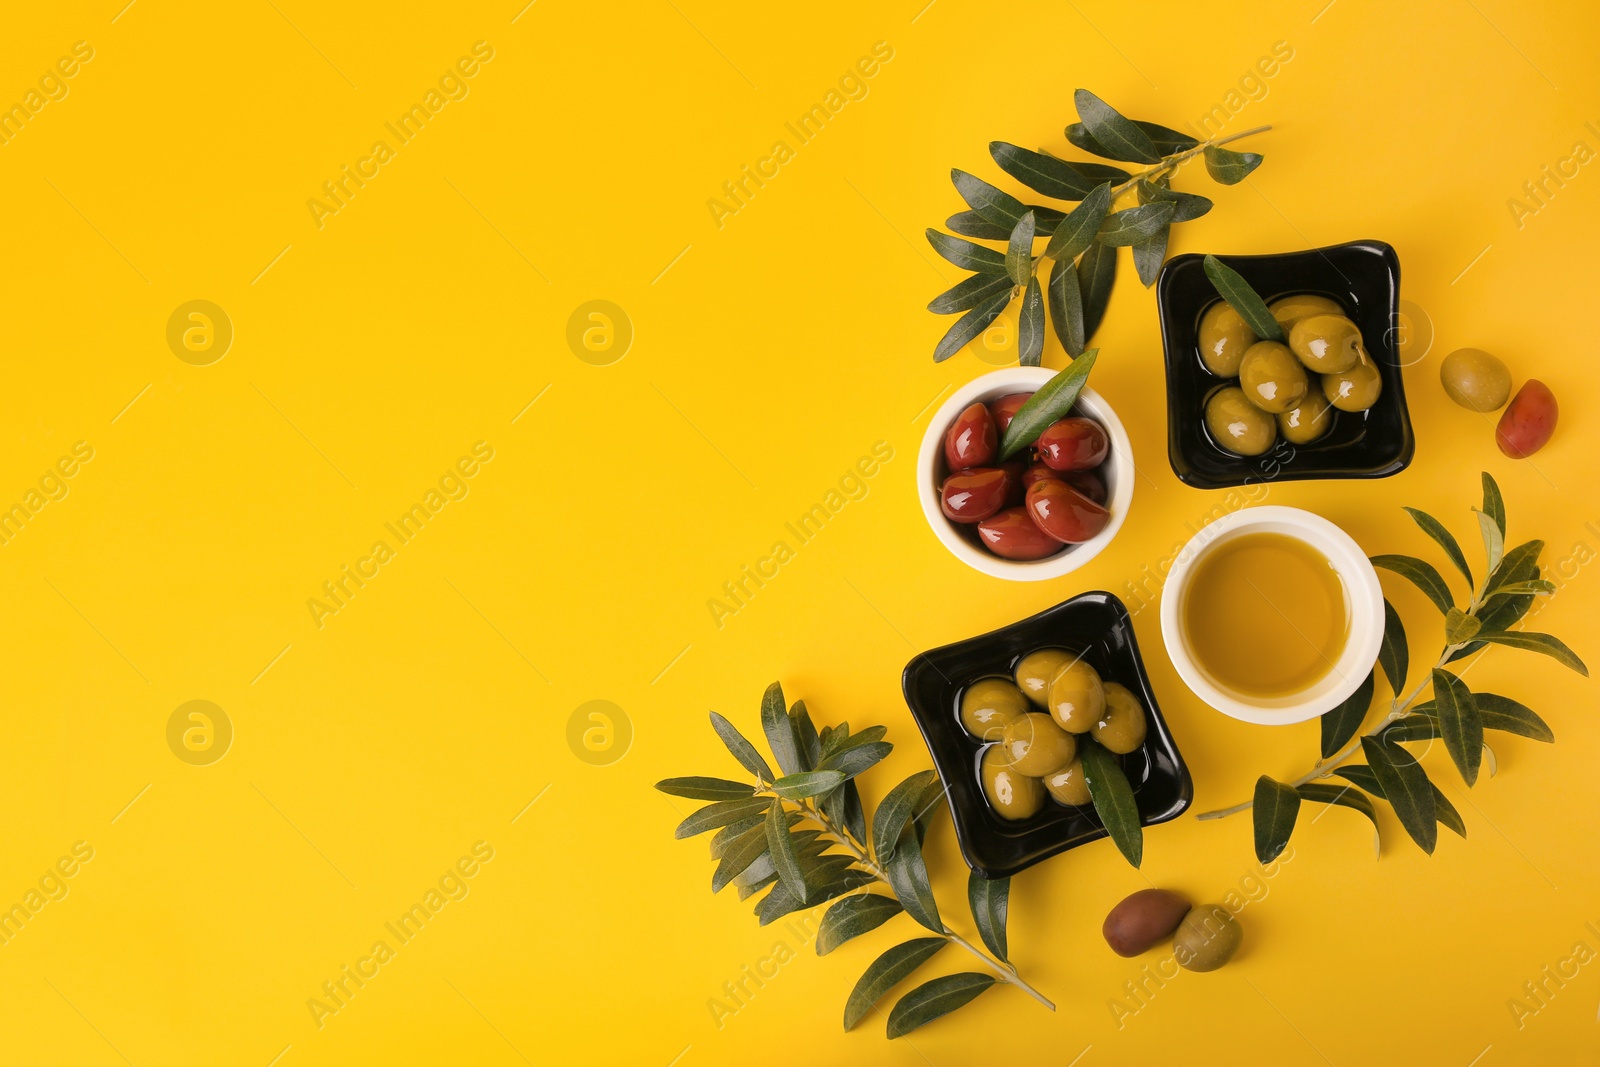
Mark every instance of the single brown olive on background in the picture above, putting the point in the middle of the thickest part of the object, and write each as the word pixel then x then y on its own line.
pixel 1142 920
pixel 1238 425
pixel 1073 444
pixel 1207 938
pixel 1224 336
pixel 1475 379
pixel 1528 421
pixel 973 495
pixel 1010 534
pixel 1272 379
pixel 1063 513
pixel 1013 795
pixel 1005 409
pixel 971 439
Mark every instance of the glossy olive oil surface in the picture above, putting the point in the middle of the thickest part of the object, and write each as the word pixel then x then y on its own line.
pixel 1266 615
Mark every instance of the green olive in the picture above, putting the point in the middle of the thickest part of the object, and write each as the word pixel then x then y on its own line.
pixel 1121 727
pixel 1238 425
pixel 1356 389
pixel 1307 420
pixel 1075 697
pixel 1223 339
pixel 1012 794
pixel 1207 938
pixel 1272 379
pixel 988 704
pixel 1034 745
pixel 1326 344
pixel 1035 670
pixel 1067 785
pixel 1289 310
pixel 1475 379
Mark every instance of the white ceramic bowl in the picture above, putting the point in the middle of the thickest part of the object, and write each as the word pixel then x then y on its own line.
pixel 1117 472
pixel 1363 599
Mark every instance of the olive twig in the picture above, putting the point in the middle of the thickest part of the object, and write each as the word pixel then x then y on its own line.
pixel 1005 971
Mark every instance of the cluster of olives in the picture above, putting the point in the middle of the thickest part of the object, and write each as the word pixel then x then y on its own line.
pixel 1046 496
pixel 1036 752
pixel 1274 395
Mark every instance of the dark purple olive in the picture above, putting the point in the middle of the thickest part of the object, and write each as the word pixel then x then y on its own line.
pixel 1143 920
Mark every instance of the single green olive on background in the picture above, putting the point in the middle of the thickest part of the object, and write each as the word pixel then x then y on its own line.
pixel 1528 421
pixel 1142 920
pixel 1238 425
pixel 988 704
pixel 1326 344
pixel 1121 728
pixel 1475 379
pixel 1289 310
pixel 1224 336
pixel 1356 389
pixel 1075 697
pixel 1307 420
pixel 1034 671
pixel 1272 379
pixel 1067 785
pixel 1012 794
pixel 1207 938
pixel 1034 745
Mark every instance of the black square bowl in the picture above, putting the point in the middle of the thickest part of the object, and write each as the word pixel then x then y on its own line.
pixel 1096 625
pixel 1364 276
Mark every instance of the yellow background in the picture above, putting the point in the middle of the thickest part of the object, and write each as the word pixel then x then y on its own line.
pixel 769 355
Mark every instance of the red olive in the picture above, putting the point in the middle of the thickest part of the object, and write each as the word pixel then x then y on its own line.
pixel 1528 421
pixel 1012 535
pixel 1073 444
pixel 1064 513
pixel 1038 472
pixel 1086 482
pixel 974 494
pixel 1016 488
pixel 1003 409
pixel 970 441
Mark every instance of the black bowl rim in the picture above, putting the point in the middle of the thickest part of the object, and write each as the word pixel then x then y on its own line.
pixel 1123 621
pixel 1408 442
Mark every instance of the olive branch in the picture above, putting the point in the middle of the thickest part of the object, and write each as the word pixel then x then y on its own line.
pixel 1083 242
pixel 776 835
pixel 1454 713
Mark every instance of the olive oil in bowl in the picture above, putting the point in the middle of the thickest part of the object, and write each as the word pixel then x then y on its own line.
pixel 1265 615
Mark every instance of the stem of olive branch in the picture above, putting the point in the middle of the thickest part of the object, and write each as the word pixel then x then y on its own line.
pixel 1006 972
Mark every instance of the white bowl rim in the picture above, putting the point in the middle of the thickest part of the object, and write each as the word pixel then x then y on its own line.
pixel 991 386
pixel 1361 586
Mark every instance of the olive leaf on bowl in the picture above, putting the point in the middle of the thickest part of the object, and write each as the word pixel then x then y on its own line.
pixel 778 834
pixel 1455 713
pixel 1083 241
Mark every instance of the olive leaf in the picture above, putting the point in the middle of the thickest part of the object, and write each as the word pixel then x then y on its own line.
pixel 1185 206
pixel 1275 808
pixel 721 813
pixel 1053 177
pixel 1459 627
pixel 995 206
pixel 852 917
pixel 742 750
pixel 989 900
pixel 1406 788
pixel 1243 299
pixel 803 784
pixel 970 293
pixel 1076 232
pixel 1421 574
pixel 1503 610
pixel 1444 811
pixel 1113 799
pixel 885 973
pixel 778 727
pixel 1494 539
pixel 1167 141
pixel 1134 224
pixel 1066 306
pixel 1150 253
pixel 966 254
pixel 785 860
pixel 739 854
pixel 853 760
pixel 1030 326
pixel 1393 655
pixel 1550 646
pixel 936 998
pixel 1228 167
pixel 1459 723
pixel 805 731
pixel 1097 276
pixel 1342 795
pixel 700 788
pixel 972 323
pixel 1496 712
pixel 908 877
pixel 1494 504
pixel 1052 401
pixel 1341 724
pixel 1019 251
pixel 1435 529
pixel 1116 135
pixel 896 811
